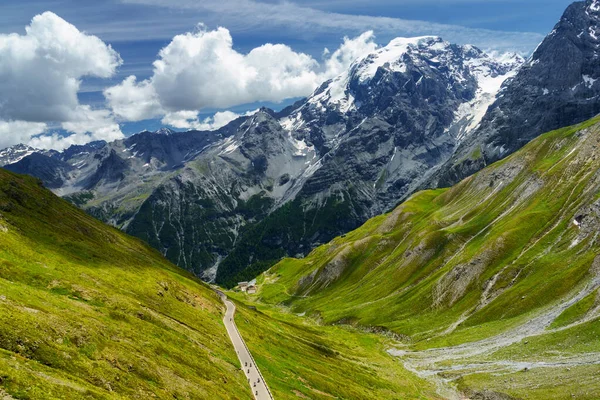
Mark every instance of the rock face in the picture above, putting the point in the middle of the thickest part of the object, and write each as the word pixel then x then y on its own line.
pixel 196 216
pixel 419 112
pixel 52 171
pixel 558 86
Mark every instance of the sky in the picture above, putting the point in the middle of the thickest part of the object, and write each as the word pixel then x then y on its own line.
pixel 72 71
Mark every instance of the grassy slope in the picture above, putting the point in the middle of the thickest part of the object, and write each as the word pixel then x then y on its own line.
pixel 301 359
pixel 491 252
pixel 88 312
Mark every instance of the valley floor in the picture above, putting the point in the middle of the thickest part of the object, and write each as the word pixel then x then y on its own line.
pixel 532 360
pixel 301 359
pixel 538 358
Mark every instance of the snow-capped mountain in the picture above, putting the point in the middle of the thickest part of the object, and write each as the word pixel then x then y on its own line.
pixel 430 57
pixel 474 76
pixel 397 113
pixel 227 204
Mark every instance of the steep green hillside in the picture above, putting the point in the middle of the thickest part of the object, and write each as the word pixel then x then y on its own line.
pixel 480 273
pixel 88 312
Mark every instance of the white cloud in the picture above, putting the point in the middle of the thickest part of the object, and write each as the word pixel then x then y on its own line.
pixel 59 142
pixel 184 119
pixel 13 132
pixel 133 101
pixel 190 120
pixel 40 75
pixel 40 71
pixel 202 70
pixel 349 51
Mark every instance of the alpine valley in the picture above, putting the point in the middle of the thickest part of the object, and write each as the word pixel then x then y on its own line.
pixel 425 225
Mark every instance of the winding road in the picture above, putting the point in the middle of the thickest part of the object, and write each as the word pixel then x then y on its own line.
pixel 255 379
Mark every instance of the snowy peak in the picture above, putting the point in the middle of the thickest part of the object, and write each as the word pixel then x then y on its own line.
pixel 557 87
pixel 422 67
pixel 164 131
pixel 392 56
pixel 593 6
pixel 16 153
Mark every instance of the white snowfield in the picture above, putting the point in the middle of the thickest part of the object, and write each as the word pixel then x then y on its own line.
pixel 257 383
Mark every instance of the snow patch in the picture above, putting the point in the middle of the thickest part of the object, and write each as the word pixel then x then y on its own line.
pixel 489 83
pixel 16 153
pixel 229 146
pixel 337 93
pixel 589 81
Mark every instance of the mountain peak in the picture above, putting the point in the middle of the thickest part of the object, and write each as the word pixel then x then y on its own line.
pixel 418 59
pixel 16 153
pixel 164 131
pixel 392 56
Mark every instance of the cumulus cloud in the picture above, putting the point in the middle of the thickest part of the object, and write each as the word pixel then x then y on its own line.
pixel 40 76
pixel 12 132
pixel 40 71
pixel 350 50
pixel 201 69
pixel 134 101
pixel 190 120
pixel 60 142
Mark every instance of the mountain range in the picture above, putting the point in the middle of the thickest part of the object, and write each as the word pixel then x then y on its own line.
pixel 417 113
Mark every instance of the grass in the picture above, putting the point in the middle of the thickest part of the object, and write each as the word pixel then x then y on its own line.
pixel 577 311
pixel 88 312
pixel 544 383
pixel 301 359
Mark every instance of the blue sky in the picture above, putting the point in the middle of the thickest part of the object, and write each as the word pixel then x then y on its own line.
pixel 139 29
